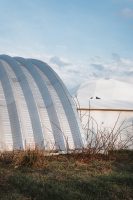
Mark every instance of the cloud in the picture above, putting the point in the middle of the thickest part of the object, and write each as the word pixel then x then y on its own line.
pixel 129 0
pixel 127 12
pixel 122 1
pixel 98 67
pixel 116 57
pixel 74 74
pixel 60 62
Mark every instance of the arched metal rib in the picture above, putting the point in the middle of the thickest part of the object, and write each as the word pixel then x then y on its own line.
pixel 55 124
pixel 31 104
pixel 64 100
pixel 12 109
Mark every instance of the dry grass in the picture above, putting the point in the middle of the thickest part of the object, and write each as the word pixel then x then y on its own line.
pixel 25 158
pixel 29 158
pixel 32 175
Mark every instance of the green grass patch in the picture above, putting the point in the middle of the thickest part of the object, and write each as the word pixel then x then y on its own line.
pixel 64 177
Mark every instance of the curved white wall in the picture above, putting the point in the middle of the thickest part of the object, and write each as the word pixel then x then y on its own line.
pixel 35 107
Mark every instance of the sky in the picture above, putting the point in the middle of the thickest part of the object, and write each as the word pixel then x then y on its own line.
pixel 80 39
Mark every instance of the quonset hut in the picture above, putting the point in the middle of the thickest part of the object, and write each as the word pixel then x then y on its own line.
pixel 35 107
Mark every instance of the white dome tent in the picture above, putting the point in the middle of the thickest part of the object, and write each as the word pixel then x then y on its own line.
pixel 35 107
pixel 107 104
pixel 111 92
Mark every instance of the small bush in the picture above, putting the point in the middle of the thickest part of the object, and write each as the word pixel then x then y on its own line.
pixel 6 157
pixel 29 158
pixel 24 158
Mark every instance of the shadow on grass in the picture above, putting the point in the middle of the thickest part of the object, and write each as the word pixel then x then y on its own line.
pixel 123 161
pixel 115 186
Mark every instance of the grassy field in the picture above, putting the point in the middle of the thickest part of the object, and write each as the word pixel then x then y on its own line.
pixel 30 175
